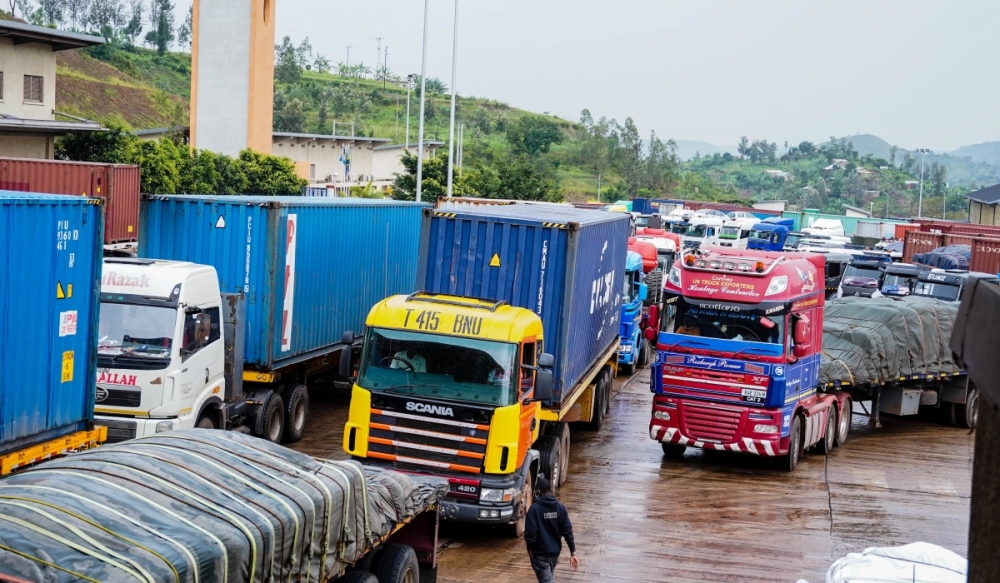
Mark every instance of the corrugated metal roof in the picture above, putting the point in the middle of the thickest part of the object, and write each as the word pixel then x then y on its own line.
pixel 988 195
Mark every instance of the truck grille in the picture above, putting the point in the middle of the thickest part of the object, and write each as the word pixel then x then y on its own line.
pixel 714 423
pixel 119 430
pixel 121 398
pixel 427 443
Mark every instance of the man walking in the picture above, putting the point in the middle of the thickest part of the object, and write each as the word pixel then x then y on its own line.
pixel 546 525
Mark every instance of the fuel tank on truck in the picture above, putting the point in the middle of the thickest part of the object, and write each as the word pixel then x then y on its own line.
pixel 50 278
pixel 310 268
pixel 565 264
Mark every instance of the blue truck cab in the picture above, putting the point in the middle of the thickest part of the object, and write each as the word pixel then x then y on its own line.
pixel 770 234
pixel 633 349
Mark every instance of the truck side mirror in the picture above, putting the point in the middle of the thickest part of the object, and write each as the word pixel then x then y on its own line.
pixel 802 331
pixel 347 339
pixel 543 385
pixel 654 317
pixel 650 333
pixel 800 350
pixel 643 292
pixel 546 360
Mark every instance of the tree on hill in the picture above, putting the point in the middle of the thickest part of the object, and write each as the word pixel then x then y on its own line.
pixel 288 68
pixel 533 135
pixel 184 30
pixel 133 29
pixel 743 148
pixel 161 22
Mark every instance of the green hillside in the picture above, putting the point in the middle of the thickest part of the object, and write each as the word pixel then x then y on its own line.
pixel 987 152
pixel 137 89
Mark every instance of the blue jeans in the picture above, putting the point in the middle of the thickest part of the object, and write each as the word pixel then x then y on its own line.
pixel 544 567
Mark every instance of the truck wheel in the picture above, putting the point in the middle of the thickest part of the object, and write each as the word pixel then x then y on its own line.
pixel 825 445
pixel 654 283
pixel 296 398
pixel 673 450
pixel 396 564
pixel 644 352
pixel 788 461
pixel 564 457
pixel 358 577
pixel 274 419
pixel 966 415
pixel 597 415
pixel 206 421
pixel 844 422
pixel 609 381
pixel 516 529
pixel 550 459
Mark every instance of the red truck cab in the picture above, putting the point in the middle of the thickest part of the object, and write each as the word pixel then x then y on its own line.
pixel 738 356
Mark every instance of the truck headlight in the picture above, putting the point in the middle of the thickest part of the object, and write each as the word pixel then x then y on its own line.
pixel 661 415
pixel 496 495
pixel 675 277
pixel 777 285
pixel 164 426
pixel 761 428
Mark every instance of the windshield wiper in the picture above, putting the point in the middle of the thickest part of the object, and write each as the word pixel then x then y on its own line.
pixel 685 340
pixel 741 350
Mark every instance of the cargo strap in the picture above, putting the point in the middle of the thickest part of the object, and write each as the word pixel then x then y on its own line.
pixel 160 507
pixel 191 560
pixel 48 564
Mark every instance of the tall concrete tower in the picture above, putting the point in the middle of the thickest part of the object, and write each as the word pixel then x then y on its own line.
pixel 232 75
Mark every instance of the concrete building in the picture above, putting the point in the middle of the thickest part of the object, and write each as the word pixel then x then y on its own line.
pixel 232 75
pixel 983 205
pixel 28 124
pixel 771 205
pixel 318 156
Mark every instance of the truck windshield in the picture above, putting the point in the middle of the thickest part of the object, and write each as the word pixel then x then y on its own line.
pixel 760 237
pixel 792 241
pixel 442 367
pixel 861 275
pixel 699 231
pixel 730 233
pixel 941 291
pixel 136 330
pixel 898 282
pixel 694 320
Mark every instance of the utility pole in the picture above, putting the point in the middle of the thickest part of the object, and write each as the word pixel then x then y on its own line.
pixel 454 93
pixel 598 188
pixel 423 101
pixel 378 52
pixel 385 68
pixel 409 88
pixel 348 55
pixel 920 202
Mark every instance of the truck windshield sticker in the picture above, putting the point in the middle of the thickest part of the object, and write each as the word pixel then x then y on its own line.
pixel 424 320
pixel 286 316
pixel 112 279
pixel 437 321
pixel 112 378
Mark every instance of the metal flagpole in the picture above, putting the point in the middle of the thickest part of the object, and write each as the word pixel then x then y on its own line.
pixel 454 93
pixel 423 100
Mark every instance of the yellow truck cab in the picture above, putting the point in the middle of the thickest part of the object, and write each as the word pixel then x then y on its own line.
pixel 453 386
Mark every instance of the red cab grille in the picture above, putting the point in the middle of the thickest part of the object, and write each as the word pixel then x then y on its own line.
pixel 707 422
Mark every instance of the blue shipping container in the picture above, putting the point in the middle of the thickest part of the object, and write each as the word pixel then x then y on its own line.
pixel 311 268
pixel 564 264
pixel 50 278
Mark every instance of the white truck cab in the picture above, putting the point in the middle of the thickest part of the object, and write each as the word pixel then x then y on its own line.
pixel 702 231
pixel 160 355
pixel 736 233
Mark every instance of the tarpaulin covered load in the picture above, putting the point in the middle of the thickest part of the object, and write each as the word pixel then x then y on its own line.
pixel 949 257
pixel 880 340
pixel 200 507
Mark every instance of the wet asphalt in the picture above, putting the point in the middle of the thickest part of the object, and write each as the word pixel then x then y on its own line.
pixel 717 516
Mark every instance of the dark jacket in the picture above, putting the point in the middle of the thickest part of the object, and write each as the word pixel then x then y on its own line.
pixel 548 523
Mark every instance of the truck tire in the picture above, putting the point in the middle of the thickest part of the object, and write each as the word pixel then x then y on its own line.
pixel 206 421
pixel 609 380
pixel 825 445
pixel 564 441
pixel 629 367
pixel 550 459
pixel 654 285
pixel 673 450
pixel 600 404
pixel 396 564
pixel 516 529
pixel 788 461
pixel 273 418
pixel 644 352
pixel 966 415
pixel 358 577
pixel 844 422
pixel 296 399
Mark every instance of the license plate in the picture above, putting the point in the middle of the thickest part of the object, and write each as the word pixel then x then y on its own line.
pixel 753 396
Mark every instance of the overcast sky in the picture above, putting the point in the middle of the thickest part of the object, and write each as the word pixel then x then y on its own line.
pixel 918 73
